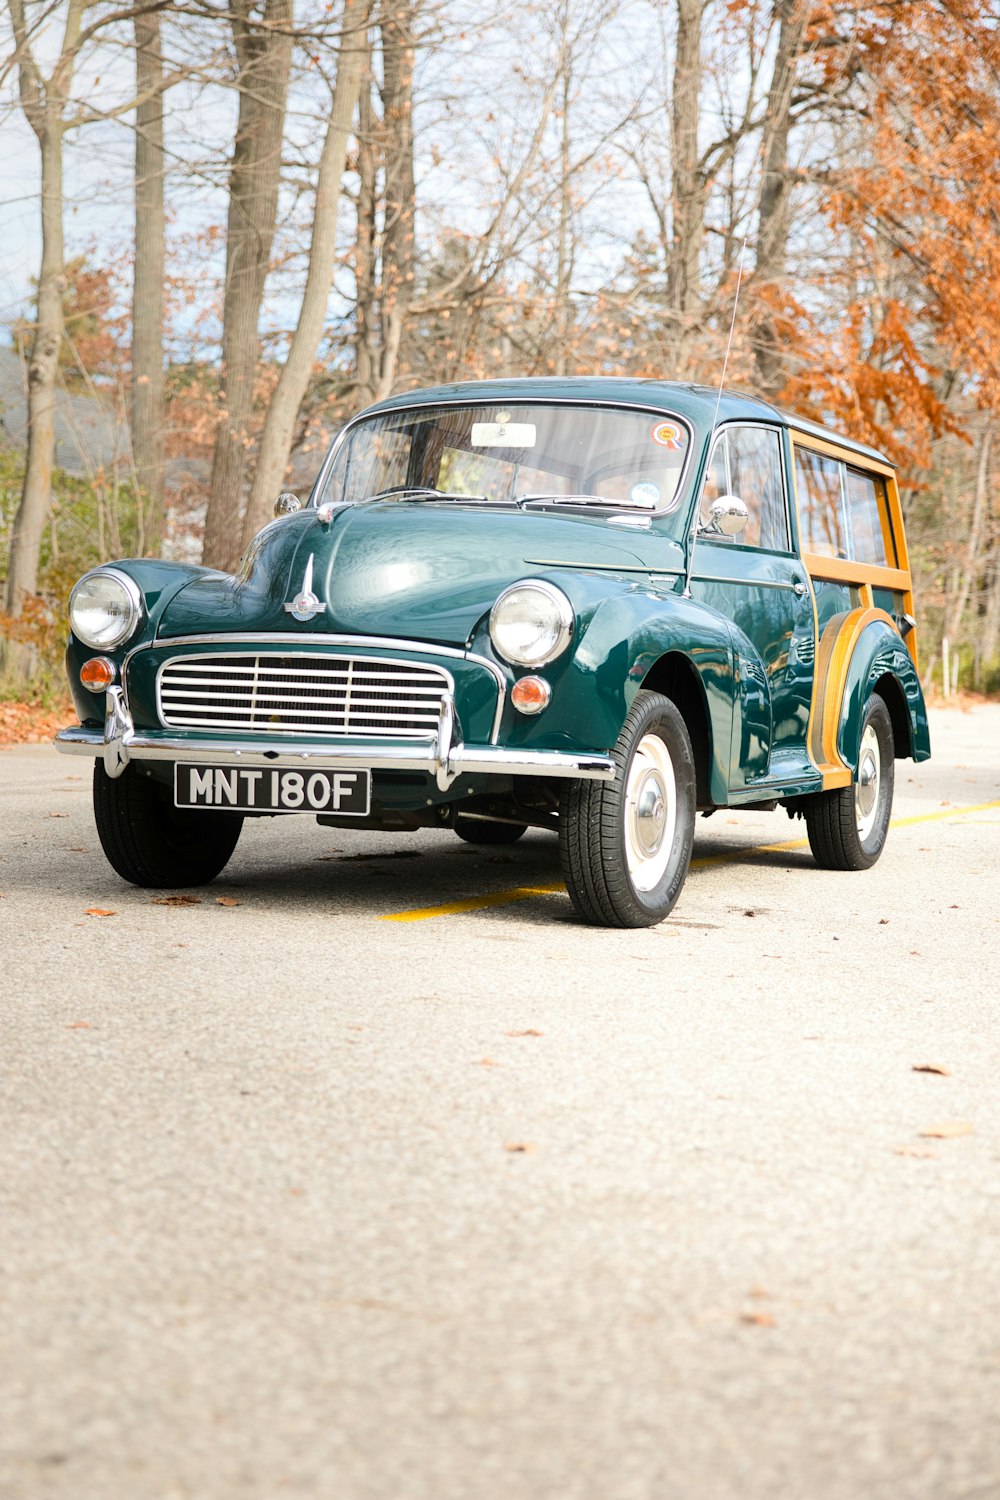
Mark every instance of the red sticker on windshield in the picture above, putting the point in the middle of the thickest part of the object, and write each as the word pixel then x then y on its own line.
pixel 668 435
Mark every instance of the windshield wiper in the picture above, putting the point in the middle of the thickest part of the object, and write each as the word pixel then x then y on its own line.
pixel 564 500
pixel 424 492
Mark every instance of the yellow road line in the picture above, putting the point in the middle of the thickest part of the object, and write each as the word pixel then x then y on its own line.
pixel 525 892
pixel 475 903
pixel 944 812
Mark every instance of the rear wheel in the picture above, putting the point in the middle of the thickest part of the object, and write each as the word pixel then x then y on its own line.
pixel 847 828
pixel 625 845
pixel 151 842
pixel 480 831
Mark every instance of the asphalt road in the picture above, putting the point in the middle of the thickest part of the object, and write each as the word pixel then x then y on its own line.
pixel 299 1201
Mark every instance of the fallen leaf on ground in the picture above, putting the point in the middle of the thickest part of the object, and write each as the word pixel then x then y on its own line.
pixel 760 1319
pixel 99 911
pixel 181 900
pixel 948 1129
pixel 29 723
pixel 77 1025
pixel 227 901
pixel 58 815
pixel 932 1068
pixel 749 912
pixel 883 921
pixel 521 1146
pixel 528 1031
pixel 922 1151
pixel 487 1062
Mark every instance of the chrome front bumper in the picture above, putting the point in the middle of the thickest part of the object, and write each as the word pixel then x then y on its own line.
pixel 445 758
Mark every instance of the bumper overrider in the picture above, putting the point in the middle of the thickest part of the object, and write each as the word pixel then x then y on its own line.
pixel 445 757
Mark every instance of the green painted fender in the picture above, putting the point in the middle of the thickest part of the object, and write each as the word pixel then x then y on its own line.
pixel 881 661
pixel 628 636
pixel 158 582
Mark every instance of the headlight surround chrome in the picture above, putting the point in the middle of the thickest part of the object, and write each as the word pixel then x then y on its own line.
pixel 104 608
pixel 531 623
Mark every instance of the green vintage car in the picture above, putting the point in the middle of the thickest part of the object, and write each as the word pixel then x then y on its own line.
pixel 597 606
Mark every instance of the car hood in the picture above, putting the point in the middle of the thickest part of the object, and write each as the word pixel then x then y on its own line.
pixel 423 571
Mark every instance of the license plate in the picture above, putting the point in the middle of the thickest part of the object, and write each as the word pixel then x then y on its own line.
pixel 252 789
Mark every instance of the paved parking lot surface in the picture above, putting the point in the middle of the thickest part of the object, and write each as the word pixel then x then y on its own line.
pixel 388 1180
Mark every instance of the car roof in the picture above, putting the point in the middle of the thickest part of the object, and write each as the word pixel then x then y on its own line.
pixel 696 402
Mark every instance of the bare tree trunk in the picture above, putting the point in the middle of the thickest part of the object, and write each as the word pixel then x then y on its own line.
pixel 365 251
pixel 279 427
pixel 564 251
pixel 264 53
pixel 397 242
pixel 148 402
pixel 43 101
pixel 773 208
pixel 688 187
pixel 966 574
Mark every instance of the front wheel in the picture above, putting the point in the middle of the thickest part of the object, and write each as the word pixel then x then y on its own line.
pixel 847 828
pixel 625 845
pixel 151 842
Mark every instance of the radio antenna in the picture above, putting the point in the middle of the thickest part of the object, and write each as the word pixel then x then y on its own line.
pixel 715 418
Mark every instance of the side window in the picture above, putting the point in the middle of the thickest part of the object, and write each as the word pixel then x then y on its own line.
pixel 746 461
pixel 817 480
pixel 755 475
pixel 840 509
pixel 864 492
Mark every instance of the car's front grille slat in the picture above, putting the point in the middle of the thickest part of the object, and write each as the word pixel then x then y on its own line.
pixel 271 693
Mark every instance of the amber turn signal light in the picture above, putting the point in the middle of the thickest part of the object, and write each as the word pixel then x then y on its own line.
pixel 530 695
pixel 97 674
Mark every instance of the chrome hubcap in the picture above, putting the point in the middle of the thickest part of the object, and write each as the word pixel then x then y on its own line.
pixel 650 812
pixel 867 786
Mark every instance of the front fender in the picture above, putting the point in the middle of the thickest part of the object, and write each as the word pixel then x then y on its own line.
pixel 158 582
pixel 622 634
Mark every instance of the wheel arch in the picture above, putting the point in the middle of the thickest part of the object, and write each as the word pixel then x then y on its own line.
pixel 677 678
pixel 881 663
pixel 890 690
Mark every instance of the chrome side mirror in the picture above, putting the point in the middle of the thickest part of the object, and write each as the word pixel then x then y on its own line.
pixel 286 504
pixel 728 514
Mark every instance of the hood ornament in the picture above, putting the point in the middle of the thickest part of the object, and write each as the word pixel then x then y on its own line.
pixel 305 605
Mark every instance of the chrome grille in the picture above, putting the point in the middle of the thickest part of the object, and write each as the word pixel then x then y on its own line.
pixel 302 693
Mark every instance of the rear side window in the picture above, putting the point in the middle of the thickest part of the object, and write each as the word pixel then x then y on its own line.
pixel 841 509
pixel 864 494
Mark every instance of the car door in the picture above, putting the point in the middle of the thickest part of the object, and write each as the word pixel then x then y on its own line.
pixel 759 584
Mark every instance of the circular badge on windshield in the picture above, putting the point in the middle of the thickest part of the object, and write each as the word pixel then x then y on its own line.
pixel 668 435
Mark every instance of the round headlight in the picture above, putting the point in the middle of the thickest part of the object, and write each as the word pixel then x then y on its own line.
pixel 104 608
pixel 531 623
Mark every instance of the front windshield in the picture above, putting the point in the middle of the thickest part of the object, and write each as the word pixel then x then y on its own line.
pixel 509 454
